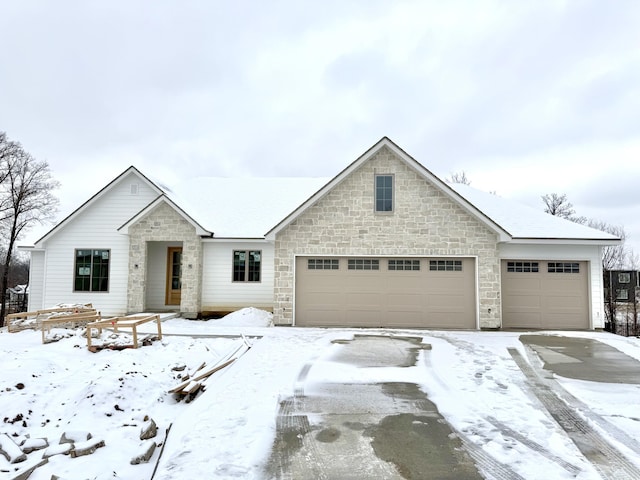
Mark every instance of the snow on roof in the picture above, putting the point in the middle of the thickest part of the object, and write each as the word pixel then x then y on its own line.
pixel 524 222
pixel 242 207
pixel 250 207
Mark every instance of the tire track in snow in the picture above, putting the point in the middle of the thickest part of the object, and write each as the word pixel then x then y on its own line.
pixel 607 460
pixel 491 468
pixel 611 429
pixel 536 447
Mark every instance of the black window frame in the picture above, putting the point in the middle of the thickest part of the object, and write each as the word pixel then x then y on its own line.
pixel 363 264
pixel 403 264
pixel 244 271
pixel 96 270
pixel 563 267
pixel 323 264
pixel 384 191
pixel 523 267
pixel 445 265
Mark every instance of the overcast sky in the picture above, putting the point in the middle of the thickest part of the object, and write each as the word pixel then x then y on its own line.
pixel 527 98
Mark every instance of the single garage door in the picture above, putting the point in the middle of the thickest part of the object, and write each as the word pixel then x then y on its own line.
pixel 545 294
pixel 385 292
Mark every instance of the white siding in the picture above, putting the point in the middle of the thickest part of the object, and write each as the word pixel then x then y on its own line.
pixel 96 228
pixel 591 254
pixel 36 280
pixel 218 288
pixel 157 274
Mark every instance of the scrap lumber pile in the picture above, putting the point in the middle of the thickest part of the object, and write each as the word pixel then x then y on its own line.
pixel 17 322
pixel 194 382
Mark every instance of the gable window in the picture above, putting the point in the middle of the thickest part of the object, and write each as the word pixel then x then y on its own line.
pixel 563 267
pixel 404 264
pixel 363 264
pixel 323 264
pixel 624 278
pixel 445 265
pixel 528 267
pixel 246 265
pixel 384 193
pixel 91 271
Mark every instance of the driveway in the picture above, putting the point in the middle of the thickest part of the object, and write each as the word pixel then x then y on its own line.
pixel 331 429
pixel 338 427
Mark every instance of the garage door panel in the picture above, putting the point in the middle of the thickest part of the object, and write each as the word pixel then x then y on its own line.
pixel 546 298
pixel 395 298
pixel 524 284
pixel 522 301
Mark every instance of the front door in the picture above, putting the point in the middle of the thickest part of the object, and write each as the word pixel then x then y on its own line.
pixel 174 275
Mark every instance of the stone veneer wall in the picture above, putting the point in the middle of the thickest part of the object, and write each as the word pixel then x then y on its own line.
pixel 424 222
pixel 164 224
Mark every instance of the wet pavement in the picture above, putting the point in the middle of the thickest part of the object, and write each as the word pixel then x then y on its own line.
pixel 584 359
pixel 345 429
pixel 366 431
pixel 588 360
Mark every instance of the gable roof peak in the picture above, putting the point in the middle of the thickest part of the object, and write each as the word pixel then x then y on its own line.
pixel 131 169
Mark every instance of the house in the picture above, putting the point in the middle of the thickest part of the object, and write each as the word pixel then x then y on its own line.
pixel 625 285
pixel 17 298
pixel 385 243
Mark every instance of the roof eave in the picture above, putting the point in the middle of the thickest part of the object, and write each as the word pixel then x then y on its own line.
pixel 566 241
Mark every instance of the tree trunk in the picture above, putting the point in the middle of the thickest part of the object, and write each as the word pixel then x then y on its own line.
pixel 5 275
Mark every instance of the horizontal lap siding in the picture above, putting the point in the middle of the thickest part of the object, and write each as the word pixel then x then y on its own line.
pixel 218 288
pixel 96 228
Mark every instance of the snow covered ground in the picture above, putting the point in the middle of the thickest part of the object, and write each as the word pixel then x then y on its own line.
pixel 228 430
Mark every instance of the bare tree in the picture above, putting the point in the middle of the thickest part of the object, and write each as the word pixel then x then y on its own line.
pixel 560 206
pixel 614 257
pixel 26 198
pixel 459 177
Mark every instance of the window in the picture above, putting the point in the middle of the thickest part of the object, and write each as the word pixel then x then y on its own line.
pixel 623 294
pixel 91 272
pixel 445 265
pixel 384 193
pixel 246 265
pixel 528 267
pixel 323 264
pixel 624 278
pixel 363 264
pixel 404 264
pixel 563 267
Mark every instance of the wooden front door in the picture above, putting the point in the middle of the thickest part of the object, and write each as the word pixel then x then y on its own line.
pixel 174 276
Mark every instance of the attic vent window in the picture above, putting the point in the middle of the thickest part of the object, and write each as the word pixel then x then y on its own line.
pixel 134 189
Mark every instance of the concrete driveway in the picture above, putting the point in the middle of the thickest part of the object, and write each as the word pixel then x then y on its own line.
pixel 584 359
pixel 357 431
pixel 337 429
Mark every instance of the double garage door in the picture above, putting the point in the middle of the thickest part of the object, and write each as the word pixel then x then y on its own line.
pixel 385 292
pixel 545 294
